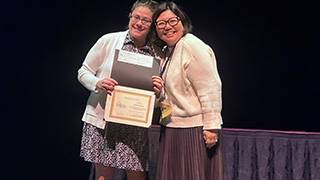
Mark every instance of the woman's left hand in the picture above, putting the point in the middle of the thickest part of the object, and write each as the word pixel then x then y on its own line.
pixel 210 137
pixel 158 84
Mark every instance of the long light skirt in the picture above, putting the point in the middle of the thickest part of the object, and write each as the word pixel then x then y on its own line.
pixel 183 155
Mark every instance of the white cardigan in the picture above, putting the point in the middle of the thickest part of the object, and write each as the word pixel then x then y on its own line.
pixel 96 66
pixel 193 86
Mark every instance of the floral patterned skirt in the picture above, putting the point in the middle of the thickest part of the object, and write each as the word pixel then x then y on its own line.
pixel 122 146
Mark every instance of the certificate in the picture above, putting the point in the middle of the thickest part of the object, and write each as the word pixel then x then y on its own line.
pixel 130 106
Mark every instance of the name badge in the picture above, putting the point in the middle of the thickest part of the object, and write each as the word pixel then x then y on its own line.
pixel 166 111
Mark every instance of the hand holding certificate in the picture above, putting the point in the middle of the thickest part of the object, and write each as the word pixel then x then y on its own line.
pixel 130 106
pixel 132 102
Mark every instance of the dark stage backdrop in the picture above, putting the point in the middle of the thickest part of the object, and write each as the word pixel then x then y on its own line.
pixel 267 53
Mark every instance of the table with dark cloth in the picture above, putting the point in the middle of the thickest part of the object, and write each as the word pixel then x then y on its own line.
pixel 271 155
pixel 252 154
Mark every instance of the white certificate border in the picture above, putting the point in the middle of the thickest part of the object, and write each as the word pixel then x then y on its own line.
pixel 130 121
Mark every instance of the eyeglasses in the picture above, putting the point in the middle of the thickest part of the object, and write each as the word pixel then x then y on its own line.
pixel 137 18
pixel 171 21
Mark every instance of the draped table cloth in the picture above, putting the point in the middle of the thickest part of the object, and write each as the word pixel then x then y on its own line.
pixel 253 154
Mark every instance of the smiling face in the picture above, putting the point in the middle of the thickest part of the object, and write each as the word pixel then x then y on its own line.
pixel 139 24
pixel 170 34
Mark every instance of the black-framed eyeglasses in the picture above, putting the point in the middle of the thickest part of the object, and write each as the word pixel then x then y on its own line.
pixel 171 21
pixel 137 18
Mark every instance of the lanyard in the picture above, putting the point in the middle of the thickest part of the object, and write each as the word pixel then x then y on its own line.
pixel 168 58
pixel 164 67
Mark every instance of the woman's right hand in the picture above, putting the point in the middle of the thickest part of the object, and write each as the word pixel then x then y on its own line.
pixel 106 84
pixel 210 137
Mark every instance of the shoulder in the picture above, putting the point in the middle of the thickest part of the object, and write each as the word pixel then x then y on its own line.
pixel 193 44
pixel 110 38
pixel 192 40
pixel 113 35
